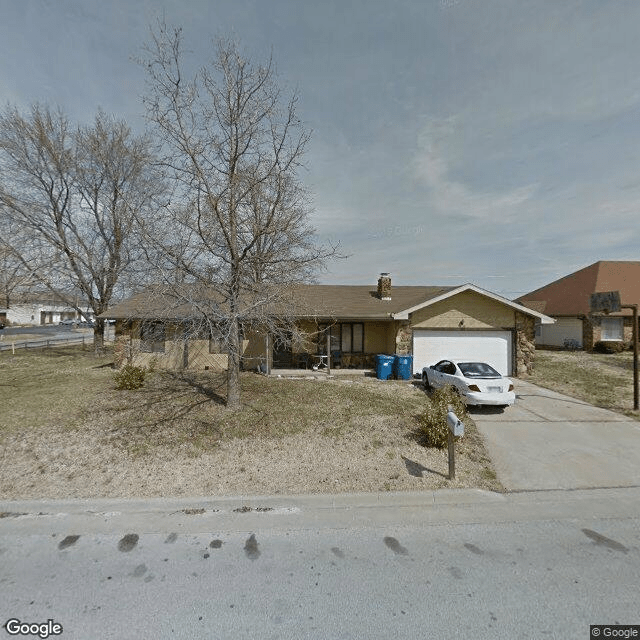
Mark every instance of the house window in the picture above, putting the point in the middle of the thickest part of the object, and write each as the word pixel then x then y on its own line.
pixel 152 337
pixel 346 334
pixel 347 337
pixel 357 337
pixel 336 334
pixel 611 328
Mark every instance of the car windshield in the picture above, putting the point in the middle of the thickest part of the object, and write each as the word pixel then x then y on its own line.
pixel 477 370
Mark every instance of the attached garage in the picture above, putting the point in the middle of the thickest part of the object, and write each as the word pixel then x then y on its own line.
pixel 564 329
pixel 493 347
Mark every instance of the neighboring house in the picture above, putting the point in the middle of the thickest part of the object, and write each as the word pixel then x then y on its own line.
pixel 568 301
pixel 39 309
pixel 431 323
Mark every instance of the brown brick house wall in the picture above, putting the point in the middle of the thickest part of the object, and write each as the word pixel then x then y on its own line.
pixel 592 331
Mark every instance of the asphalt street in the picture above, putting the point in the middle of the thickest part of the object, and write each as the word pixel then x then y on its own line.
pixel 445 564
pixel 543 563
pixel 42 332
pixel 48 330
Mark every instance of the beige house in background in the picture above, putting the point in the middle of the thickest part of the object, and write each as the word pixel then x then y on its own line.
pixel 358 322
pixel 40 308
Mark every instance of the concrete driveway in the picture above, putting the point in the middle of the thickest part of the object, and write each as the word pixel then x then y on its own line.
pixel 551 441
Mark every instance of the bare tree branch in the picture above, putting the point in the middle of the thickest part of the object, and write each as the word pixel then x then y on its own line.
pixel 76 194
pixel 240 231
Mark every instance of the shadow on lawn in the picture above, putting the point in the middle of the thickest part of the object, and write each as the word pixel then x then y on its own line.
pixel 210 390
pixel 417 470
pixel 172 408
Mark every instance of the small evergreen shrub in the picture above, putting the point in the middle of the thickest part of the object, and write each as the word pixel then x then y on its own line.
pixel 608 346
pixel 433 430
pixel 129 377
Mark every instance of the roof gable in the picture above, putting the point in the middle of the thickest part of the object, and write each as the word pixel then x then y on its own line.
pixel 404 314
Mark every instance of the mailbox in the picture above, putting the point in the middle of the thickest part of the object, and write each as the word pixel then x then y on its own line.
pixel 455 426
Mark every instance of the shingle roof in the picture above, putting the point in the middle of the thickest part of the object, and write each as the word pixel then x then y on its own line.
pixel 571 295
pixel 330 301
pixel 346 301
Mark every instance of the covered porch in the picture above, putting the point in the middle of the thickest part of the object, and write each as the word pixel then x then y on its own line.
pixel 349 346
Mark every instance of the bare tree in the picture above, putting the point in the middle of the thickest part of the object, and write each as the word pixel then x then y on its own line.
pixel 75 193
pixel 14 275
pixel 239 230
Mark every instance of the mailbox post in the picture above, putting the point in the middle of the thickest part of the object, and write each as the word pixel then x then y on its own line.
pixel 456 428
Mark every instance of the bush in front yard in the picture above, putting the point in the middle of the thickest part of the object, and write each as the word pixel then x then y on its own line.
pixel 129 377
pixel 432 428
pixel 608 346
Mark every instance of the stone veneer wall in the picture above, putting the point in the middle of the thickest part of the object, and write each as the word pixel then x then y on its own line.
pixel 122 343
pixel 120 350
pixel 525 344
pixel 404 338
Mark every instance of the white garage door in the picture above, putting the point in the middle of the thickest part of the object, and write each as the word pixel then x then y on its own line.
pixel 493 347
pixel 556 334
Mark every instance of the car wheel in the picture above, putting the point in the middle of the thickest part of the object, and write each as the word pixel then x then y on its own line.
pixel 425 382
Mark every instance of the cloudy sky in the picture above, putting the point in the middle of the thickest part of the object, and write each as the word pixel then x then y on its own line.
pixel 487 141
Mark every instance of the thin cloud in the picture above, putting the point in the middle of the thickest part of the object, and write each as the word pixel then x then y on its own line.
pixel 448 196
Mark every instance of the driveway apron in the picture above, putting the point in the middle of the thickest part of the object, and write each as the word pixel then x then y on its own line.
pixel 547 440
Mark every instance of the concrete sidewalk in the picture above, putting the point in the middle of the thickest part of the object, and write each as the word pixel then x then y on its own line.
pixel 550 441
pixel 311 512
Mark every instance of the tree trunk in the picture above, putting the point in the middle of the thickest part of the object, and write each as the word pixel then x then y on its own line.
pixel 233 369
pixel 98 336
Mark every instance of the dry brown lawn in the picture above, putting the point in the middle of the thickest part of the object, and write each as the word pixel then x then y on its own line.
pixel 66 432
pixel 604 380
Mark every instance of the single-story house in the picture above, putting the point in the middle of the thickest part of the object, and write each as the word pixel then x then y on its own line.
pixel 40 308
pixel 428 322
pixel 568 301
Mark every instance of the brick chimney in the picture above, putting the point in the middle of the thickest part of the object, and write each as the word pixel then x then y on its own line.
pixel 384 286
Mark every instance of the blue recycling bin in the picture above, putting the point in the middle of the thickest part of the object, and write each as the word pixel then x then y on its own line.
pixel 403 367
pixel 384 367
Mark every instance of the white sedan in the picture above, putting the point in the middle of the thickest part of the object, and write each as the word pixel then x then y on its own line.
pixel 477 382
